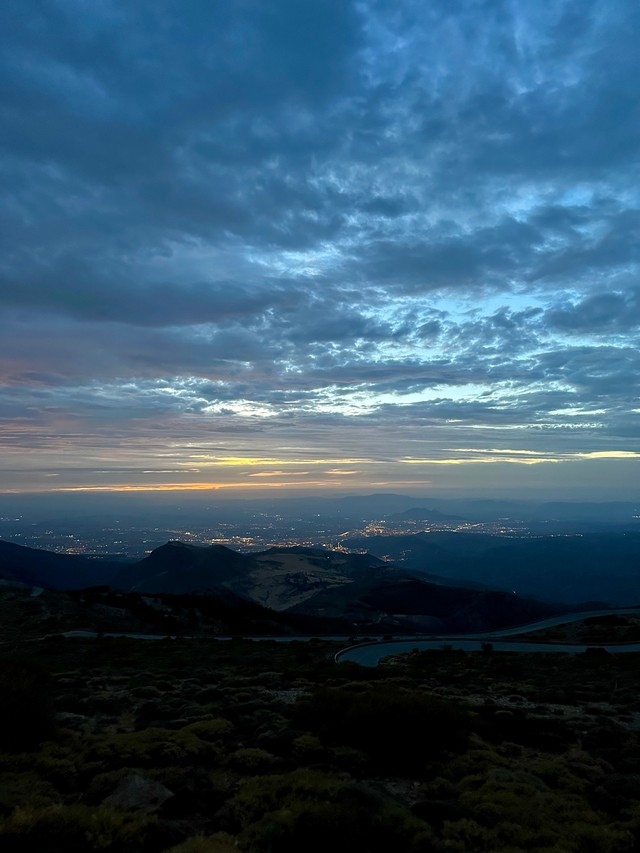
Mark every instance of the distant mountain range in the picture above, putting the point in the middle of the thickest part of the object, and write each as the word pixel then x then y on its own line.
pixel 429 515
pixel 313 587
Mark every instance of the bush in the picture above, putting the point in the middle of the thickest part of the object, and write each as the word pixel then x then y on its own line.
pixel 218 843
pixel 252 760
pixel 262 794
pixel 156 747
pixel 210 730
pixel 26 709
pixel 74 829
pixel 355 820
pixel 308 748
pixel 399 730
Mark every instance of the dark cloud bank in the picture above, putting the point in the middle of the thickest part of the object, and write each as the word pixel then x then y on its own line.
pixel 290 229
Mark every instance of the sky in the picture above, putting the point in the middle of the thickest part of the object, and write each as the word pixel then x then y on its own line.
pixel 320 245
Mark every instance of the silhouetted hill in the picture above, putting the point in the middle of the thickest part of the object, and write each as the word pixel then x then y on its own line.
pixel 359 591
pixel 598 566
pixel 277 578
pixel 178 567
pixel 407 603
pixel 418 514
pixel 55 571
pixel 104 610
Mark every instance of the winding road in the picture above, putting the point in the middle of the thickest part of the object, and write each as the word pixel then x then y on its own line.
pixel 370 654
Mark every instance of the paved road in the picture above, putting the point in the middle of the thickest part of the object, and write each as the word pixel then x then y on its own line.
pixel 565 619
pixel 370 654
pixel 88 635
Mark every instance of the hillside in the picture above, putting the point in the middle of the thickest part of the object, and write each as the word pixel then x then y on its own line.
pixel 278 578
pixel 37 567
pixel 178 567
pixel 102 610
pixel 361 591
pixel 319 591
pixel 591 567
pixel 405 604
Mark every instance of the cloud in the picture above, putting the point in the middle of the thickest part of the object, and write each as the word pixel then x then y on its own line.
pixel 600 313
pixel 329 224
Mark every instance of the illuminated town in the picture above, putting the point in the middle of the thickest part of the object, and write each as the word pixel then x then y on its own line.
pixel 253 534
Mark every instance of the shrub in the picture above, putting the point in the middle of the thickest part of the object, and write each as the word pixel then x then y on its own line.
pixel 218 843
pixel 355 820
pixel 74 829
pixel 24 789
pixel 26 710
pixel 154 747
pixel 252 760
pixel 263 794
pixel 210 730
pixel 399 730
pixel 308 747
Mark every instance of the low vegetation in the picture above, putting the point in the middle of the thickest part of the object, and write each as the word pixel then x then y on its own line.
pixel 197 745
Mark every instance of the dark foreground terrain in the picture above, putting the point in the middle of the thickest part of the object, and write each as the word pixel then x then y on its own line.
pixel 203 745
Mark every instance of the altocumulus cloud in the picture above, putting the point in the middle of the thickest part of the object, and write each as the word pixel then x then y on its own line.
pixel 292 231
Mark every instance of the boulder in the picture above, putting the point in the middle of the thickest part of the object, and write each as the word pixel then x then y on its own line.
pixel 138 792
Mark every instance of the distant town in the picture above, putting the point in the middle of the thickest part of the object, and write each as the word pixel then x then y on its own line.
pixel 253 532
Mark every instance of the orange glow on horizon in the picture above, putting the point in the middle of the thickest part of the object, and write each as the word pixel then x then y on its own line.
pixel 190 487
